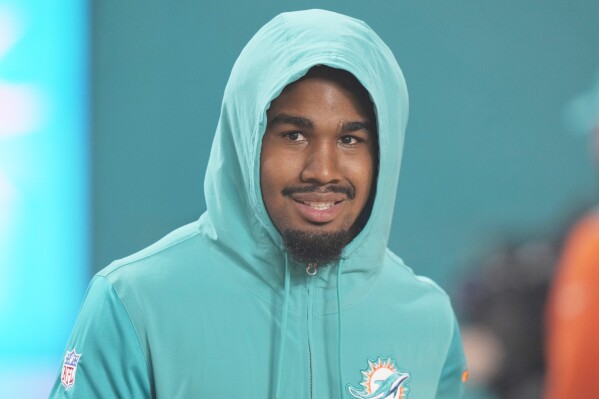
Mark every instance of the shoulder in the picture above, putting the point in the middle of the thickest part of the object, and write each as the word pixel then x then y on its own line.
pixel 181 263
pixel 419 296
pixel 146 286
pixel 408 278
pixel 171 249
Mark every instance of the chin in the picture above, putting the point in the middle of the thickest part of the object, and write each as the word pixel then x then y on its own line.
pixel 315 245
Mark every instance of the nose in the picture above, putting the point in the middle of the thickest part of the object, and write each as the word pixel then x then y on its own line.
pixel 321 165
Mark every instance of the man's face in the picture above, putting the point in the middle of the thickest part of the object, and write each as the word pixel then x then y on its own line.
pixel 317 163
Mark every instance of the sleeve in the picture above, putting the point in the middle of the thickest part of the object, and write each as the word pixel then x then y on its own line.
pixel 454 374
pixel 103 358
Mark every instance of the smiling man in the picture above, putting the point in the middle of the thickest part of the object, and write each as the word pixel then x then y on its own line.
pixel 284 288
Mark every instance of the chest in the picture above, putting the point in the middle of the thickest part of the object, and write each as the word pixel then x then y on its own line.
pixel 233 346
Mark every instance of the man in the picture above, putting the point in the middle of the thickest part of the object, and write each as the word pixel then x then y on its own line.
pixel 284 287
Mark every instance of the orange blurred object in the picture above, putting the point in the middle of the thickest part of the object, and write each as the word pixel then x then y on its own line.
pixel 465 376
pixel 573 317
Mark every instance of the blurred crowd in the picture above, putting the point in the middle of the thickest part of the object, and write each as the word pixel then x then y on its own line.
pixel 529 310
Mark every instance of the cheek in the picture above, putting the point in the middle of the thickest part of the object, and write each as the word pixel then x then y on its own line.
pixel 276 173
pixel 274 177
pixel 268 179
pixel 279 167
pixel 272 168
pixel 360 172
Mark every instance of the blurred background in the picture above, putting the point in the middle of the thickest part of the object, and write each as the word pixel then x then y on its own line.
pixel 108 108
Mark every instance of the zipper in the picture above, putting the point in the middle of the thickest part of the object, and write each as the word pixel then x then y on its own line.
pixel 309 324
pixel 310 368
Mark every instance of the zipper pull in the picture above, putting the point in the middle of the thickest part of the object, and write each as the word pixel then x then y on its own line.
pixel 312 268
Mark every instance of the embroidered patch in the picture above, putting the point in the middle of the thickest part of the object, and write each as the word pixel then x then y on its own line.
pixel 69 369
pixel 381 380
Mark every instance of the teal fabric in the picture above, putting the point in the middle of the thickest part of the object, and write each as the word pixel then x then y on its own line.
pixel 216 309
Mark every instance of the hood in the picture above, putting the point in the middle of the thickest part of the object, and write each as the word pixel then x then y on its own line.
pixel 280 53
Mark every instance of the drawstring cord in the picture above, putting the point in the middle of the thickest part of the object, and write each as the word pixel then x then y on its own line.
pixel 339 321
pixel 283 333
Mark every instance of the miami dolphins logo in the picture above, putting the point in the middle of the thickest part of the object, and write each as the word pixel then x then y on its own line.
pixel 381 380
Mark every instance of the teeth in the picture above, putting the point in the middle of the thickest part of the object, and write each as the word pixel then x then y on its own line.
pixel 321 206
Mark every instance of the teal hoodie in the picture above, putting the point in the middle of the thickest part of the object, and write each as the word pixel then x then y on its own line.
pixel 217 309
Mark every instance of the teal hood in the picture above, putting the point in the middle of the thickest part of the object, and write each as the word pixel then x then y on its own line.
pixel 279 54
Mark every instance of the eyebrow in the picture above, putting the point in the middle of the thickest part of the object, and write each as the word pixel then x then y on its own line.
pixel 298 121
pixel 306 123
pixel 355 126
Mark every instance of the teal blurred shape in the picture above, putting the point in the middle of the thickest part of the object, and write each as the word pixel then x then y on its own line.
pixel 582 112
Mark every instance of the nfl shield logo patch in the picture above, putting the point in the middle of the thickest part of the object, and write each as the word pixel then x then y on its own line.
pixel 69 368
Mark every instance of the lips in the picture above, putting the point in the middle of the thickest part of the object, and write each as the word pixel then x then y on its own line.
pixel 318 208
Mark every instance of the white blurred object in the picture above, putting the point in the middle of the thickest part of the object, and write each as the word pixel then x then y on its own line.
pixel 484 354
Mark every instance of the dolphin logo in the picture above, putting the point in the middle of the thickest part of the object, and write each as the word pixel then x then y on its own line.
pixel 387 388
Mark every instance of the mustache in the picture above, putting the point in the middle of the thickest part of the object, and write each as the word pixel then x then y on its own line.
pixel 333 188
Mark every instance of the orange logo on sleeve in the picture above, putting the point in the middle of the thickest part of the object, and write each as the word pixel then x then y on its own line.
pixel 465 376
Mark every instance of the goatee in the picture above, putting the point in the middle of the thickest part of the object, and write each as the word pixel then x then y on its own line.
pixel 315 247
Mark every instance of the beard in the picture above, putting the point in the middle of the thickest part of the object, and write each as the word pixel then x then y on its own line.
pixel 315 247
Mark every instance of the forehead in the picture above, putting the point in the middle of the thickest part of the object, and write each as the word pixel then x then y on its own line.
pixel 316 91
pixel 324 87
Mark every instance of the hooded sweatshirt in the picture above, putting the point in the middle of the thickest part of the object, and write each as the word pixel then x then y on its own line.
pixel 217 308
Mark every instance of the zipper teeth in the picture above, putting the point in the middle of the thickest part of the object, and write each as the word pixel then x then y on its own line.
pixel 310 369
pixel 309 325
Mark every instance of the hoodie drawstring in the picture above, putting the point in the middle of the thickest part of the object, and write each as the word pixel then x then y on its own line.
pixel 283 333
pixel 339 330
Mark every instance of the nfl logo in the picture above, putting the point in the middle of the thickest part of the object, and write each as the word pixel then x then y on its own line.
pixel 69 368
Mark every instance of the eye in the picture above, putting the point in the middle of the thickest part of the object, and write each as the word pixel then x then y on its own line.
pixel 294 136
pixel 349 140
